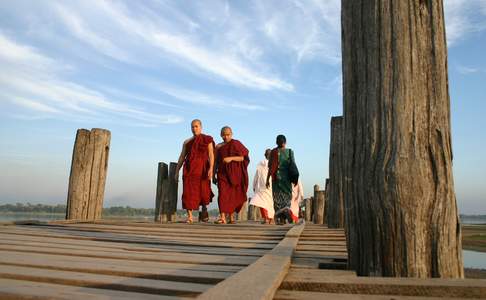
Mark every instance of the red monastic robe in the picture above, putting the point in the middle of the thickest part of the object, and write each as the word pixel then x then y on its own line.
pixel 232 177
pixel 196 184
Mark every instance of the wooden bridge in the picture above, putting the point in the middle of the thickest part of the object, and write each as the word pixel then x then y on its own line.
pixel 131 260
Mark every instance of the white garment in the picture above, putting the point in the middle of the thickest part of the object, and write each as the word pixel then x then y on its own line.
pixel 263 197
pixel 297 198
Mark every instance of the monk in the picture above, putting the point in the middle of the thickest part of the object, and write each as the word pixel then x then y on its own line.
pixel 231 175
pixel 197 156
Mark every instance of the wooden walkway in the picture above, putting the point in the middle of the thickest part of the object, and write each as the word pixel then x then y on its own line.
pixel 114 260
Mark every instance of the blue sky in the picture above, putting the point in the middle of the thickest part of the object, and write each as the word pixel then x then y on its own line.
pixel 145 69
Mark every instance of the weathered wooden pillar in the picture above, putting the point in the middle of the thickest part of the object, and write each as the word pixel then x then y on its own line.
pixel 326 193
pixel 173 193
pixel 243 214
pixel 308 209
pixel 319 200
pixel 88 174
pixel 250 212
pixel 258 214
pixel 314 203
pixel 254 213
pixel 162 193
pixel 335 195
pixel 166 194
pixel 402 217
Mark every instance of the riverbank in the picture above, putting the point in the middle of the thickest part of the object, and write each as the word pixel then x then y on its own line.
pixel 474 237
pixel 475 273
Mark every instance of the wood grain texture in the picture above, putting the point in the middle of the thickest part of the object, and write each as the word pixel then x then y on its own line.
pixel 88 174
pixel 261 279
pixel 399 193
pixel 334 188
pixel 319 205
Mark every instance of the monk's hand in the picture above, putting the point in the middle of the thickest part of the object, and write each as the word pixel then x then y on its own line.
pixel 210 174
pixel 227 160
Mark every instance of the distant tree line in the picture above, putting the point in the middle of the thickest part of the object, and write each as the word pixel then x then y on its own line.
pixel 33 208
pixel 127 211
pixel 61 209
pixel 473 217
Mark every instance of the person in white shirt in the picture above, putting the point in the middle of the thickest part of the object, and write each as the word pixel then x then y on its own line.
pixel 297 198
pixel 263 196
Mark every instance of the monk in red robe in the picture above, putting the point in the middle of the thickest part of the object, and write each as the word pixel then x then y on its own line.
pixel 197 156
pixel 231 175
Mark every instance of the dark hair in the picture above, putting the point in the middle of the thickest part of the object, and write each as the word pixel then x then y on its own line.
pixel 267 153
pixel 281 140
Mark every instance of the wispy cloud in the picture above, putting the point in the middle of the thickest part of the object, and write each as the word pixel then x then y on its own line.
pixel 146 28
pixel 39 88
pixel 205 99
pixel 80 29
pixel 22 55
pixel 463 17
pixel 465 70
pixel 34 105
pixel 308 29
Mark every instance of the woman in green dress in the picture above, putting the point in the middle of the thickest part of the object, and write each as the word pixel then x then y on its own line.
pixel 278 165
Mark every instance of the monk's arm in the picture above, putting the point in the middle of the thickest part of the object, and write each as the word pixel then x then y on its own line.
pixel 211 160
pixel 233 158
pixel 181 160
pixel 216 165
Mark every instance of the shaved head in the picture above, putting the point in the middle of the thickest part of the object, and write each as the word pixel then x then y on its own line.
pixel 226 128
pixel 196 127
pixel 226 134
pixel 196 121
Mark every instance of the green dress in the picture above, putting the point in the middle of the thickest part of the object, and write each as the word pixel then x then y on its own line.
pixel 281 186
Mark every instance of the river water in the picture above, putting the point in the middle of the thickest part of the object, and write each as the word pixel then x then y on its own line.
pixel 474 259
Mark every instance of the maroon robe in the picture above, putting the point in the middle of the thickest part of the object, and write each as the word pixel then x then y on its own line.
pixel 196 183
pixel 232 177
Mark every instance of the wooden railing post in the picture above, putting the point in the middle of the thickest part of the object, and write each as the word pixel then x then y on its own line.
pixel 88 174
pixel 335 199
pixel 173 191
pixel 243 214
pixel 162 192
pixel 401 210
pixel 166 195
pixel 319 207
pixel 308 209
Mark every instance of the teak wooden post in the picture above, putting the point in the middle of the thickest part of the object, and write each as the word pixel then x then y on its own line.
pixel 250 212
pixel 166 194
pixel 254 213
pixel 173 193
pixel 308 209
pixel 243 214
pixel 314 202
pixel 335 195
pixel 326 199
pixel 399 193
pixel 162 191
pixel 319 207
pixel 88 174
pixel 258 214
